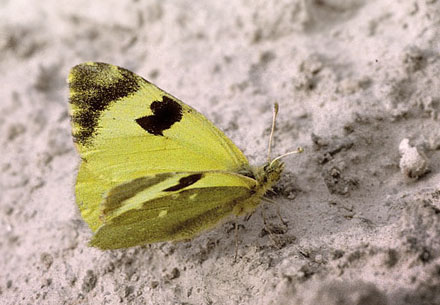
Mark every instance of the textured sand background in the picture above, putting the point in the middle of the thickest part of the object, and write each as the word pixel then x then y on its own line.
pixel 358 86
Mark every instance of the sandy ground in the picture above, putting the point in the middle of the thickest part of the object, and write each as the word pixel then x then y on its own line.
pixel 358 86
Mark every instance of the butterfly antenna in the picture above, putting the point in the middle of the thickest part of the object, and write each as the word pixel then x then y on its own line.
pixel 274 118
pixel 297 151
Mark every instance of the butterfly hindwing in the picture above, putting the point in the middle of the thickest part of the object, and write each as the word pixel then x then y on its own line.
pixel 125 128
pixel 170 206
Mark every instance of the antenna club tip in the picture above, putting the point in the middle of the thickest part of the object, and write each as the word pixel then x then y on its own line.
pixel 276 107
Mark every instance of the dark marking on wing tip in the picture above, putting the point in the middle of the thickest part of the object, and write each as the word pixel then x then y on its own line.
pixel 165 114
pixel 184 182
pixel 94 87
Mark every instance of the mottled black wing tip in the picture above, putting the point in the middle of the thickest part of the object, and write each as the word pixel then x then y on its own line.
pixel 94 86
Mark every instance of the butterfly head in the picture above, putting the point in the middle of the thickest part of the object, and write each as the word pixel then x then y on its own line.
pixel 272 171
pixel 268 174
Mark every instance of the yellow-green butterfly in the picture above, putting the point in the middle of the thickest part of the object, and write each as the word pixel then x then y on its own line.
pixel 153 169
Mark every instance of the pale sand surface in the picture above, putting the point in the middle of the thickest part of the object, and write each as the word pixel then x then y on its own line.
pixel 354 80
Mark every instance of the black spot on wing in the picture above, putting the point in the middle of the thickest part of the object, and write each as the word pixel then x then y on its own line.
pixel 184 182
pixel 94 86
pixel 165 114
pixel 117 195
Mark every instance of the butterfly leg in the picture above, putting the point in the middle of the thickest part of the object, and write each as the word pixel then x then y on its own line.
pixel 273 231
pixel 236 240
pixel 248 216
pixel 280 217
pixel 267 227
pixel 278 210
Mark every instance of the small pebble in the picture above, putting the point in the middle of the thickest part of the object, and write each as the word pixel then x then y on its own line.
pixel 413 164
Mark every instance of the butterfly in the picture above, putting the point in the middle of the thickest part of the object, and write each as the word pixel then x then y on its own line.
pixel 153 169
